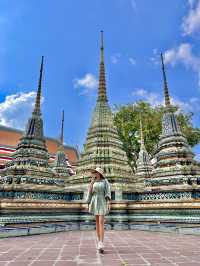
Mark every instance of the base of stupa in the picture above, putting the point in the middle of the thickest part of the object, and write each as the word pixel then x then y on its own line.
pixel 40 228
pixel 125 214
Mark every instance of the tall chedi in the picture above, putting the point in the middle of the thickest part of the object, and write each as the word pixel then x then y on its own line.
pixel 61 165
pixel 144 166
pixel 175 167
pixel 29 174
pixel 32 146
pixel 103 147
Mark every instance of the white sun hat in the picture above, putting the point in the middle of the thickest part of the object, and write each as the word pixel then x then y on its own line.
pixel 98 170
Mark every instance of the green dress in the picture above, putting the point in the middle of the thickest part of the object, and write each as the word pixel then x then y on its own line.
pixel 97 198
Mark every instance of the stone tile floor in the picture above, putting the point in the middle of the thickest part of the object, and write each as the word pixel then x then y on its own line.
pixel 122 248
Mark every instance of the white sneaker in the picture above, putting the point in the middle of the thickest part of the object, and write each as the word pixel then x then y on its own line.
pixel 100 245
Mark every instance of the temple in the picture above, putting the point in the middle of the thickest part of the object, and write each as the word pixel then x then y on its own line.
pixel 35 189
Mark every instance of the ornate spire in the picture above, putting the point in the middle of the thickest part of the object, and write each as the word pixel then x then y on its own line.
pixel 102 48
pixel 144 166
pixel 38 97
pixel 103 146
pixel 62 129
pixel 166 91
pixel 61 164
pixel 172 150
pixel 102 97
pixel 32 145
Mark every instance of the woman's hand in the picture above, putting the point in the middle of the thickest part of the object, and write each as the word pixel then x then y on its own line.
pixel 91 184
pixel 109 205
pixel 92 181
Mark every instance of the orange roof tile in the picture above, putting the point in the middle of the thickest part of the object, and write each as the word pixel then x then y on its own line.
pixel 9 138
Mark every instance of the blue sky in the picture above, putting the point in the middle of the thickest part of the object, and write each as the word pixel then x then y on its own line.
pixel 67 34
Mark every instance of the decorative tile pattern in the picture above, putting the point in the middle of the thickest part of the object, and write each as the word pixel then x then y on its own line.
pixel 41 195
pixel 160 195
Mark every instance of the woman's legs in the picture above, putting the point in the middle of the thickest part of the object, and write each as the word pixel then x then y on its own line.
pixel 101 227
pixel 97 226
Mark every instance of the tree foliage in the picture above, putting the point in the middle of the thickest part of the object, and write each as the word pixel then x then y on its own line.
pixel 127 121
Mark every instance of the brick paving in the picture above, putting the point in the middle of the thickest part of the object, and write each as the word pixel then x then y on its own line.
pixel 122 248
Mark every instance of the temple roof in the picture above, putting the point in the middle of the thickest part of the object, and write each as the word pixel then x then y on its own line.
pixel 9 138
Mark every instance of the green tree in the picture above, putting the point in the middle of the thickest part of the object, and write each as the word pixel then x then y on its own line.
pixel 127 121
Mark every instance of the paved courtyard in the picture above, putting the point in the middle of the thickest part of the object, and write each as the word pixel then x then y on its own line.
pixel 122 248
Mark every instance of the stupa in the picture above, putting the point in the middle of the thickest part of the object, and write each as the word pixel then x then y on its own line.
pixel 169 193
pixel 144 166
pixel 31 189
pixel 175 167
pixel 103 146
pixel 29 175
pixel 61 164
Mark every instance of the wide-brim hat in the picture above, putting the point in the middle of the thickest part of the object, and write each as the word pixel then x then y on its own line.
pixel 98 170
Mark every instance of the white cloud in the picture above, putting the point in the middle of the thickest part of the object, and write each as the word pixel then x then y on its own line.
pixel 132 61
pixel 151 97
pixel 192 105
pixel 180 54
pixel 155 59
pixel 16 109
pixel 139 92
pixel 88 83
pixel 197 157
pixel 191 22
pixel 183 54
pixel 115 58
pixel 191 2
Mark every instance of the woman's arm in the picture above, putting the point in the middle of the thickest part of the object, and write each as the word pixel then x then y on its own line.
pixel 89 193
pixel 107 190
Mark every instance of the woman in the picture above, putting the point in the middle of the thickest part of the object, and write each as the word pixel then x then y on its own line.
pixel 98 199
